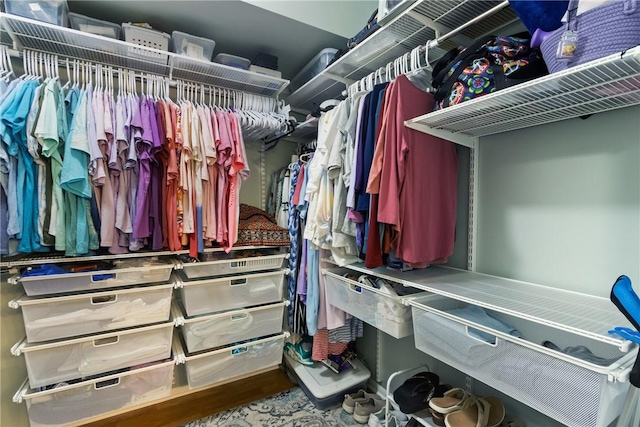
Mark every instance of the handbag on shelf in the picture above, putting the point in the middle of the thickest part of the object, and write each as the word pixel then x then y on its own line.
pixel 604 30
pixel 489 64
pixel 371 27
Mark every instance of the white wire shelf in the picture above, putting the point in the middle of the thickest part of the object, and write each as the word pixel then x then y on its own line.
pixel 605 84
pixel 25 33
pixel 581 314
pixel 397 37
pixel 56 258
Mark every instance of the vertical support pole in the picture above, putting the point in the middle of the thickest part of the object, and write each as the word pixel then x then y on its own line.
pixel 263 177
pixel 473 208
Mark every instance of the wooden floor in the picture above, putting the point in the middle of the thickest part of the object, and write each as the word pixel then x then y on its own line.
pixel 201 404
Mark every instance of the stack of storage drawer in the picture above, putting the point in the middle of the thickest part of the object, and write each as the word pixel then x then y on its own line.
pixel 96 341
pixel 231 315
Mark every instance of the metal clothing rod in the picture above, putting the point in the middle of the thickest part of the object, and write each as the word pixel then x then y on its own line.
pixel 140 76
pixel 435 43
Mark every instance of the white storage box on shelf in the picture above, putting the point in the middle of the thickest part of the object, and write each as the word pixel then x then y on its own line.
pixel 94 26
pixel 572 391
pixel 72 403
pixel 387 313
pixel 218 264
pixel 123 273
pixel 148 38
pixel 50 11
pixel 323 387
pixel 192 46
pixel 225 293
pixel 232 61
pixel 216 366
pixel 66 316
pixel 313 68
pixel 215 330
pixel 60 361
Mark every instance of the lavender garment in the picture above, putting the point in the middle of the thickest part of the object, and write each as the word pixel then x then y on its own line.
pixel 301 286
pixel 135 135
pixel 141 227
pixel 360 152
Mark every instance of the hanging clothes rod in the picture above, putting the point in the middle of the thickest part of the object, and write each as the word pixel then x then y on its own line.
pixel 63 62
pixel 392 66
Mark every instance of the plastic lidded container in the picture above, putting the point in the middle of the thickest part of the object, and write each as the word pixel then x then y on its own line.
pixel 192 46
pixel 232 61
pixel 313 67
pixel 94 26
pixel 51 11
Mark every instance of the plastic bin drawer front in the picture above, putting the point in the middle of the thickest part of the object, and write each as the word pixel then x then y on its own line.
pixel 62 317
pixel 48 365
pixel 210 296
pixel 94 280
pixel 199 270
pixel 88 399
pixel 387 314
pixel 566 392
pixel 221 365
pixel 232 326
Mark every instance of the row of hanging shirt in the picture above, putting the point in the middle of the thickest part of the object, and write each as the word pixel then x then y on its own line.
pixel 83 166
pixel 376 189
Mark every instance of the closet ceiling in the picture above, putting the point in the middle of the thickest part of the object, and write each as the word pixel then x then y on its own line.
pixel 244 29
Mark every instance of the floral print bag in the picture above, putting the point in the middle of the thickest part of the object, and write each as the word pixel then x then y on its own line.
pixel 490 64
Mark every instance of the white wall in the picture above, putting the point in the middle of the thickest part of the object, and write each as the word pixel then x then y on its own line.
pixel 344 18
pixel 559 204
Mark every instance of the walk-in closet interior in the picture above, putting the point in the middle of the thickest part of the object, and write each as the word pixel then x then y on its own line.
pixel 419 212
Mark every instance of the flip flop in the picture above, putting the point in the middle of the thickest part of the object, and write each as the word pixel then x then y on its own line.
pixel 453 400
pixel 496 411
pixel 474 413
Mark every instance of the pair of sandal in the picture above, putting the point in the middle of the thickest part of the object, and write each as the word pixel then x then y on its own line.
pixel 457 408
pixel 416 392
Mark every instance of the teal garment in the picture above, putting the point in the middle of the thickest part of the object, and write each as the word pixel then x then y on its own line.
pixel 74 178
pixel 14 118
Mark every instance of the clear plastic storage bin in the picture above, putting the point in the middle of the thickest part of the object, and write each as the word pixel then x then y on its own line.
pixel 385 312
pixel 226 293
pixel 210 331
pixel 73 403
pixel 51 11
pixel 94 26
pixel 313 68
pixel 74 315
pixel 230 362
pixel 192 46
pixel 226 265
pixel 148 38
pixel 60 361
pixel 123 273
pixel 572 391
pixel 232 61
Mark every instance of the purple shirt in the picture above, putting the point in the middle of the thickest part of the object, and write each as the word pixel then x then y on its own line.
pixel 155 185
pixel 141 226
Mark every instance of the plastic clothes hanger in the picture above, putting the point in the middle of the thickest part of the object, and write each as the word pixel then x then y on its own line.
pixel 419 75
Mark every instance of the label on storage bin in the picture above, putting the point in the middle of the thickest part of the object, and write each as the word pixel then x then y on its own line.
pixel 567 45
pixel 195 51
pixel 35 7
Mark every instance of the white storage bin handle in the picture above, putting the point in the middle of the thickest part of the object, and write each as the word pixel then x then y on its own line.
pixel 101 342
pixel 355 288
pixel 106 384
pixel 106 299
pixel 239 351
pixel 495 343
pixel 102 277
pixel 238 317
pixel 238 282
